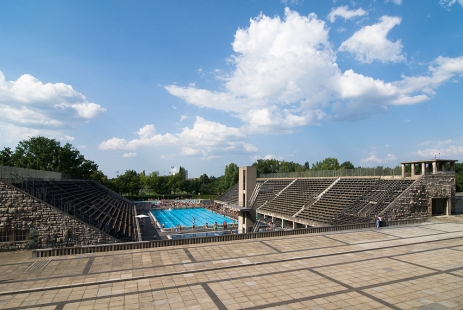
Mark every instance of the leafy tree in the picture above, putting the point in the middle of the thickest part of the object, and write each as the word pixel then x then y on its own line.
pixel 129 183
pixel 264 166
pixel 459 176
pixel 290 166
pixel 328 163
pixel 230 177
pixel 347 165
pixel 5 157
pixel 42 153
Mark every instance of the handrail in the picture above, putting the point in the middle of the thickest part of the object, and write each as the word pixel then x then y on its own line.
pixel 137 223
pixel 210 239
pixel 394 202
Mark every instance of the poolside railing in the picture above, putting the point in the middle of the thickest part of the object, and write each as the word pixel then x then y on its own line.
pixel 78 250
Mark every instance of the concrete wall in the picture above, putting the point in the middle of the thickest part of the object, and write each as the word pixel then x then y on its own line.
pixel 20 212
pixel 416 201
pixel 458 203
pixel 246 184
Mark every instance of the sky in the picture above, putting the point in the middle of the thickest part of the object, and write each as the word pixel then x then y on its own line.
pixel 151 85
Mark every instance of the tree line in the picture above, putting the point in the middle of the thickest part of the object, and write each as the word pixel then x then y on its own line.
pixel 42 153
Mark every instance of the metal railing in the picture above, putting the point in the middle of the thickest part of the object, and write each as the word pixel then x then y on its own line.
pixel 7 172
pixel 211 239
pixel 357 172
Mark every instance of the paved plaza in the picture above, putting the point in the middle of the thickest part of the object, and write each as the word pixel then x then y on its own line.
pixel 401 267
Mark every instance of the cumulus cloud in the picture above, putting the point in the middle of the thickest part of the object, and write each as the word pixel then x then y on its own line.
pixel 370 43
pixel 204 139
pixel 441 148
pixel 30 107
pixel 344 12
pixel 375 159
pixel 284 74
pixel 448 3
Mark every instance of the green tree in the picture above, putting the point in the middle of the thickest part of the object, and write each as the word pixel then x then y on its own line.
pixel 289 166
pixel 459 177
pixel 128 183
pixel 42 153
pixel 347 165
pixel 328 163
pixel 264 166
pixel 5 157
pixel 230 177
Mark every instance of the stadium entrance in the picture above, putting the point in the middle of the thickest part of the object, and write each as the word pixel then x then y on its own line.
pixel 440 206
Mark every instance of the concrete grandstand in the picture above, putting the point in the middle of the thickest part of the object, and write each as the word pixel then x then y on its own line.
pixel 49 211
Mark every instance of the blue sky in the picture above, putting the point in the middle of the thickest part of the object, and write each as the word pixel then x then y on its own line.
pixel 150 85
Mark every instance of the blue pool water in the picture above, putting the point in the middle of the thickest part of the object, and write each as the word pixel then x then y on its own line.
pixel 174 217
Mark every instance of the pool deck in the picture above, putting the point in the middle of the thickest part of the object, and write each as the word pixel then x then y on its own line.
pixel 401 267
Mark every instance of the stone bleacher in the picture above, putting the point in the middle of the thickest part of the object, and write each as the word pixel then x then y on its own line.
pixel 366 207
pixel 88 201
pixel 230 196
pixel 328 201
pixel 322 201
pixel 337 198
pixel 298 193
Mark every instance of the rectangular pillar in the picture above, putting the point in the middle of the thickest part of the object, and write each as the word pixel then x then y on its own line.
pixel 434 167
pixel 423 168
pixel 413 169
pixel 403 171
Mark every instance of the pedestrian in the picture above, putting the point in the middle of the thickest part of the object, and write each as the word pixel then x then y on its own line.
pixel 224 225
pixel 377 221
pixel 215 225
pixel 380 220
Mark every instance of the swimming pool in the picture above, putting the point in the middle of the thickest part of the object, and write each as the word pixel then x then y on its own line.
pixel 174 217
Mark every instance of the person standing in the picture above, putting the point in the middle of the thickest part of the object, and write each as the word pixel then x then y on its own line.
pixel 377 219
pixel 224 225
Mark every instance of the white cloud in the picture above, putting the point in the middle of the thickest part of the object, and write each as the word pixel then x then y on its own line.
pixel 204 139
pixel 36 108
pixel 146 137
pixel 370 43
pixel 374 159
pixel 344 12
pixel 128 155
pixel 11 134
pixel 441 148
pixel 184 117
pixel 398 2
pixel 284 74
pixel 448 3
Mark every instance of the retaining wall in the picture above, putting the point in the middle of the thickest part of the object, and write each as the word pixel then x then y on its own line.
pixel 28 222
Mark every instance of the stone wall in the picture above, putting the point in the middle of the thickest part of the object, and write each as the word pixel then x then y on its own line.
pixel 458 204
pixel 416 201
pixel 23 217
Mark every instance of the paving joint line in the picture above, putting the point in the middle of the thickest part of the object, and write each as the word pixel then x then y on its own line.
pixel 343 242
pixel 190 256
pixel 253 277
pixel 117 280
pixel 88 266
pixel 272 247
pixel 218 303
pixel 359 291
pixel 207 261
pixel 199 245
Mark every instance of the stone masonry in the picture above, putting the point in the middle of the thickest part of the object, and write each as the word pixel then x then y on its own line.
pixel 25 221
pixel 416 201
